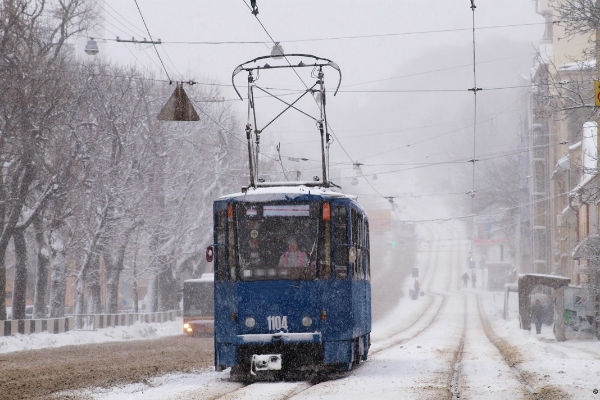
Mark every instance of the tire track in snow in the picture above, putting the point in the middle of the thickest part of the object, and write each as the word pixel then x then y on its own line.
pixel 513 357
pixel 454 382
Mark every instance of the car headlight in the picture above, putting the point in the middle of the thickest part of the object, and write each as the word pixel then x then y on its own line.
pixel 250 322
pixel 186 326
pixel 307 321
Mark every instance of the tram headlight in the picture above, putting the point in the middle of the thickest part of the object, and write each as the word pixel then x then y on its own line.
pixel 250 322
pixel 307 321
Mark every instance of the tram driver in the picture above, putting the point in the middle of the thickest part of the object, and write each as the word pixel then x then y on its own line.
pixel 293 257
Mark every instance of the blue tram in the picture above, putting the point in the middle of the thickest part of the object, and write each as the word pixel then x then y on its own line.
pixel 292 281
pixel 291 259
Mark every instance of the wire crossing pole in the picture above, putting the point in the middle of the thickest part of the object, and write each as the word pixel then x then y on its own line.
pixel 474 89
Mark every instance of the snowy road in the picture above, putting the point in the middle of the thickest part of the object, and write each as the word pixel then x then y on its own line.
pixel 449 343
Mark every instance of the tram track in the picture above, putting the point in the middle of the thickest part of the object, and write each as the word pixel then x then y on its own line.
pixel 431 306
pixel 266 391
pixel 454 381
pixel 513 358
pixel 424 314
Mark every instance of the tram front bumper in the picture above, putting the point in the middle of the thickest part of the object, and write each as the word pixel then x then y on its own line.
pixel 285 346
pixel 279 338
pixel 266 353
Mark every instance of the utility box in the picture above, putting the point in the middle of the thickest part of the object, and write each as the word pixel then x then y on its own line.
pixel 579 308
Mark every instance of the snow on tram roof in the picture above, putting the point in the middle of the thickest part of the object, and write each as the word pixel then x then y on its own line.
pixel 206 277
pixel 273 193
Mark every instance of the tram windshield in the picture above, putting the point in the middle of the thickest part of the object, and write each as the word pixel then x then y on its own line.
pixel 279 241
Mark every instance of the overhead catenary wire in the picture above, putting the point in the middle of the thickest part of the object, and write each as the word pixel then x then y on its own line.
pixel 152 40
pixel 255 13
pixel 357 36
pixel 121 24
pixel 348 37
pixel 474 89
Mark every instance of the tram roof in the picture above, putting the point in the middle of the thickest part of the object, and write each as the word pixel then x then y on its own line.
pixel 206 277
pixel 276 193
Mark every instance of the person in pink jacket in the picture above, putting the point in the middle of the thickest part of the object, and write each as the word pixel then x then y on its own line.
pixel 293 257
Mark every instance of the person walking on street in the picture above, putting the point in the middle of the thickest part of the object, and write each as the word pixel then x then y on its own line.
pixel 473 279
pixel 537 314
pixel 465 278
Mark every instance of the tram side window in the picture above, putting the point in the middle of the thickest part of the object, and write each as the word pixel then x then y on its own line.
pixel 220 249
pixel 340 238
pixel 232 262
pixel 324 251
pixel 367 250
pixel 357 235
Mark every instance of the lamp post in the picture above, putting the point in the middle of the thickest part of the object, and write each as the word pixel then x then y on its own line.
pixel 91 48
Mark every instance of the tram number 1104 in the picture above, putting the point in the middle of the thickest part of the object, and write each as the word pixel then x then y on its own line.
pixel 277 322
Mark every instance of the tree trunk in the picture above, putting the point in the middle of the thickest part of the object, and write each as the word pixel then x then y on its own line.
pixel 167 289
pixel 93 287
pixel 58 280
pixel 43 262
pixel 90 269
pixel 25 174
pixel 20 282
pixel 112 283
pixel 114 267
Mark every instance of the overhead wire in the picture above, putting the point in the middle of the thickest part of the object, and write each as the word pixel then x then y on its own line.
pixel 356 37
pixel 300 78
pixel 120 24
pixel 152 40
pixel 349 37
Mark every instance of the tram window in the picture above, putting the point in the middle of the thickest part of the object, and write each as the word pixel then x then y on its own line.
pixel 357 243
pixel 340 237
pixel 323 262
pixel 367 251
pixel 232 262
pixel 265 249
pixel 220 253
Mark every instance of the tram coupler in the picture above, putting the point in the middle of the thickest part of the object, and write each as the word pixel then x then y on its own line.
pixel 265 362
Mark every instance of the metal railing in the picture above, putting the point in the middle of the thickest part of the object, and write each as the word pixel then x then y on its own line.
pixel 82 322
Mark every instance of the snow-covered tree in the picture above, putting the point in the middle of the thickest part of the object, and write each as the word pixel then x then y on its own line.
pixel 33 34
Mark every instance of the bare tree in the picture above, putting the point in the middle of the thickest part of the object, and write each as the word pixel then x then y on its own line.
pixel 86 163
pixel 578 17
pixel 32 39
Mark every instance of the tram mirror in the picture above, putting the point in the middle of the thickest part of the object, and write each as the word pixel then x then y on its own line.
pixel 209 253
pixel 352 254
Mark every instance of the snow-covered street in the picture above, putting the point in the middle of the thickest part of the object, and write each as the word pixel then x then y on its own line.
pixel 452 342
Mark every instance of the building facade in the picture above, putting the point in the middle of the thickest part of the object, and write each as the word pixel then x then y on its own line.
pixel 563 160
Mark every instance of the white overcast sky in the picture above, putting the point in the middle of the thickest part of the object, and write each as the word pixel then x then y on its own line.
pixel 413 27
pixel 412 47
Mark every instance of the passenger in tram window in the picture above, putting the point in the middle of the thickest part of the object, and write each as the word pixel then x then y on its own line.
pixel 254 253
pixel 293 257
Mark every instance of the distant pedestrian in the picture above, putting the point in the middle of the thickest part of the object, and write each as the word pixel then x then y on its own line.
pixel 537 314
pixel 465 278
pixel 473 279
